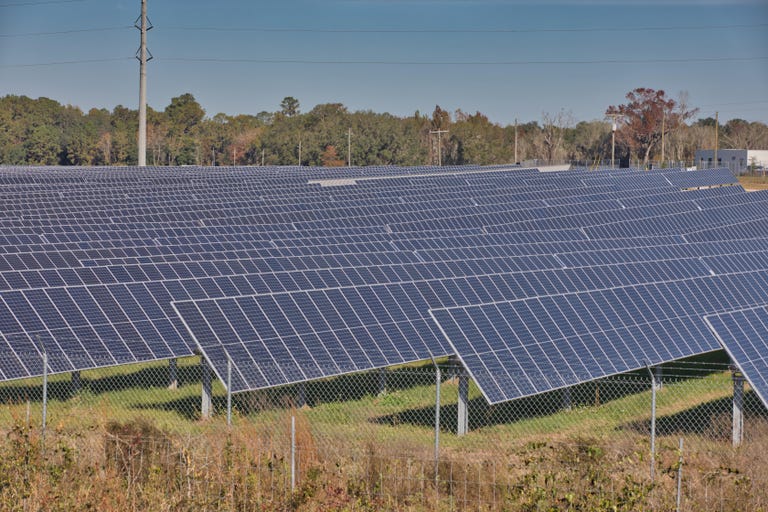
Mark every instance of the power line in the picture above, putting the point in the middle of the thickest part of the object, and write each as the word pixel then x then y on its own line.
pixel 41 2
pixel 62 32
pixel 467 31
pixel 756 102
pixel 461 63
pixel 66 62
pixel 397 62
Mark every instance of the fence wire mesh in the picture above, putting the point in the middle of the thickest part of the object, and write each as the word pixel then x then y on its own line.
pixel 135 437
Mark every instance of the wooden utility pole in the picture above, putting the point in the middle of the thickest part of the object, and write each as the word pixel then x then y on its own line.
pixel 439 145
pixel 717 128
pixel 349 147
pixel 516 160
pixel 663 126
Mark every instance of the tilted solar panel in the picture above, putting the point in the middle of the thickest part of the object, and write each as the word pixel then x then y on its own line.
pixel 744 335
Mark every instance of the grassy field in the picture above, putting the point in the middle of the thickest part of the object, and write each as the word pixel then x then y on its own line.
pixel 754 182
pixel 125 441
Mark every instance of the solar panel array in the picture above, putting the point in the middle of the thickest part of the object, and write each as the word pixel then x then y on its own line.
pixel 533 279
pixel 744 335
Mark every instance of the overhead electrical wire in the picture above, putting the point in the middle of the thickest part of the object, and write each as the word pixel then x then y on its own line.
pixel 73 31
pixel 462 63
pixel 394 30
pixel 464 31
pixel 66 62
pixel 400 62
pixel 39 2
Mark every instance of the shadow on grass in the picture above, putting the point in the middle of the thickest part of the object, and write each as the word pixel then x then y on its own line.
pixel 346 388
pixel 482 414
pixel 58 389
pixel 711 419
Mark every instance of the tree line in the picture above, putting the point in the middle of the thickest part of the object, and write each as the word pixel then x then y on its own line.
pixel 44 132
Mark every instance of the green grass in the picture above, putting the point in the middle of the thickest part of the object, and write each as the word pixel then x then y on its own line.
pixel 349 407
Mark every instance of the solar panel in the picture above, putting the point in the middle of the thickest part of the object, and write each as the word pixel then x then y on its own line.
pixel 91 260
pixel 519 348
pixel 744 335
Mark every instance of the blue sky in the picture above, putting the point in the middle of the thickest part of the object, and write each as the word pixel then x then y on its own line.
pixel 507 59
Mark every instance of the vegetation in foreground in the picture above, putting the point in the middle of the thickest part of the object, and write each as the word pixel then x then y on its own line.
pixel 120 444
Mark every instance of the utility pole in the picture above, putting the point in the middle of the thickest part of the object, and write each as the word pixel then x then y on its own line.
pixel 143 55
pixel 516 160
pixel 439 145
pixel 717 128
pixel 299 152
pixel 349 147
pixel 663 125
pixel 613 117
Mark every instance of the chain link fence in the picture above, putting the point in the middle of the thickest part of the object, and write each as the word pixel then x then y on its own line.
pixel 135 437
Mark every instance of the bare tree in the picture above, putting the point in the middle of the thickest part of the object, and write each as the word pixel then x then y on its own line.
pixel 553 134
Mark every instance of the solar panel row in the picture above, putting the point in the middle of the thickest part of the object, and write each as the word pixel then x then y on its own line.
pixel 295 274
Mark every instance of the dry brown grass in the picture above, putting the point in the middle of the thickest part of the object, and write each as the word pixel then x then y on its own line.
pixel 136 466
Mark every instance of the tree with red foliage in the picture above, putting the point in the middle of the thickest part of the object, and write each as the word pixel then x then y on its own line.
pixel 644 116
pixel 330 157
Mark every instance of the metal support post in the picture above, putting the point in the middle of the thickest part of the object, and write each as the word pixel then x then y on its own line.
pixel 173 374
pixel 462 410
pixel 567 402
pixel 658 379
pixel 229 391
pixel 301 395
pixel 738 408
pixel 77 382
pixel 382 382
pixel 206 403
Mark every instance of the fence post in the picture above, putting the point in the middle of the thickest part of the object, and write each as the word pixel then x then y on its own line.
pixel 206 402
pixel 653 423
pixel 738 408
pixel 680 476
pixel 45 394
pixel 293 454
pixel 462 409
pixel 229 391
pixel 438 379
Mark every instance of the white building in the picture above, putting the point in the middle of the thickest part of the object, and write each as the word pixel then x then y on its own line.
pixel 737 160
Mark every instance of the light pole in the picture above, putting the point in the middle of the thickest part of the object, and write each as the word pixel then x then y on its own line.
pixel 613 117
